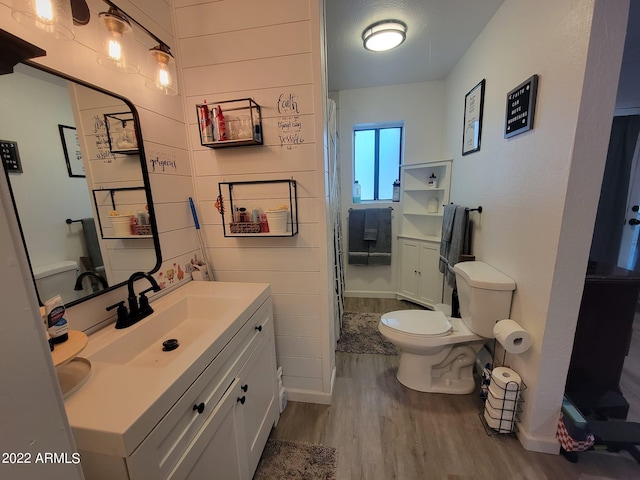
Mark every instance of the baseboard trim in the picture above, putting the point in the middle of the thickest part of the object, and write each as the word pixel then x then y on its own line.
pixel 312 396
pixel 308 396
pixel 538 444
pixel 369 294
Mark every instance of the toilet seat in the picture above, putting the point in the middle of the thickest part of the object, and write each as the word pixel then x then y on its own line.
pixel 425 323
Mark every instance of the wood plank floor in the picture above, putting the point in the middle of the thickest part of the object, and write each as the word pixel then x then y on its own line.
pixel 383 430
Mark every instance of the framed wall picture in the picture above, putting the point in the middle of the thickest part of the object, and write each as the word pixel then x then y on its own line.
pixel 10 156
pixel 521 106
pixel 71 148
pixel 473 106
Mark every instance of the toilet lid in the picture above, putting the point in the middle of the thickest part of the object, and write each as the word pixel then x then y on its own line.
pixel 420 322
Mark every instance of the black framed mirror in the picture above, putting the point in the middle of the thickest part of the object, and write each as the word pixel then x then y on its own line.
pixel 85 211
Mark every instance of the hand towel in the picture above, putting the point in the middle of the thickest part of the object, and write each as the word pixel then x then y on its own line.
pixel 358 247
pixel 91 242
pixel 380 249
pixel 445 241
pixel 458 243
pixel 371 219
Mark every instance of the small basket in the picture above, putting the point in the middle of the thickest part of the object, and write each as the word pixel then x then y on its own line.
pixel 143 229
pixel 244 227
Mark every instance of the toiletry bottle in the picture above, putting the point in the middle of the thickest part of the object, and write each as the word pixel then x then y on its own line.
pixel 134 225
pixel 221 125
pixel 396 191
pixel 432 181
pixel 205 123
pixel 56 324
pixel 356 192
pixel 264 224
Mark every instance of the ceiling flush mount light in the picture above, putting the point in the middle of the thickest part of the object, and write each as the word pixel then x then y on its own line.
pixel 384 35
pixel 51 16
pixel 163 69
pixel 117 43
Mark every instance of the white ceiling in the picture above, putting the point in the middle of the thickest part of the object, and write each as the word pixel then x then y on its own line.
pixel 439 32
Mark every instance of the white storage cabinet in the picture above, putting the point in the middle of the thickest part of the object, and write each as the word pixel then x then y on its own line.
pixel 219 426
pixel 420 280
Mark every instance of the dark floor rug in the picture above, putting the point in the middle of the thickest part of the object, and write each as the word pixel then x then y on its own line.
pixel 360 335
pixel 285 460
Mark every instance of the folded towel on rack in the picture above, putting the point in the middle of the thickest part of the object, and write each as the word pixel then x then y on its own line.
pixel 91 242
pixel 380 249
pixel 447 230
pixel 459 242
pixel 371 219
pixel 358 247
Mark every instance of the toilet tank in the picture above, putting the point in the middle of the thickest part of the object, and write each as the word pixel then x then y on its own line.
pixel 56 279
pixel 484 294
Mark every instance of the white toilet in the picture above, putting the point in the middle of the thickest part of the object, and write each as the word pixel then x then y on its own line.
pixel 56 279
pixel 437 352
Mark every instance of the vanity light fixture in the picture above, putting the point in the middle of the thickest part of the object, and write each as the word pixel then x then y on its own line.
pixel 117 43
pixel 384 35
pixel 164 71
pixel 51 16
pixel 161 73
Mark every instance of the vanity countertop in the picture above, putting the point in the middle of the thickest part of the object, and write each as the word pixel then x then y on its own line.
pixel 126 397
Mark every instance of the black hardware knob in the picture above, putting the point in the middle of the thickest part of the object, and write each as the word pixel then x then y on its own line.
pixel 634 221
pixel 242 399
pixel 635 208
pixel 199 408
pixel 245 387
pixel 259 328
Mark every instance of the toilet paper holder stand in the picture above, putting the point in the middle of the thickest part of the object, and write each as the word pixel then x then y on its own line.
pixel 502 406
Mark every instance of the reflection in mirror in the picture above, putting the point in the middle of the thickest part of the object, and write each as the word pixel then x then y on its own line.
pixel 82 198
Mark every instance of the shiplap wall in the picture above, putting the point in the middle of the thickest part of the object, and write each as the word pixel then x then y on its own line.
pixel 105 170
pixel 271 52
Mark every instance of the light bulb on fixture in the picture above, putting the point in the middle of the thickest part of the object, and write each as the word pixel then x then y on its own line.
pixel 117 44
pixel 384 35
pixel 50 16
pixel 163 69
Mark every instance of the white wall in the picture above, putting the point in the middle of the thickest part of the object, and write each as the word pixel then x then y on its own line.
pixel 540 189
pixel 32 413
pixel 265 51
pixel 421 106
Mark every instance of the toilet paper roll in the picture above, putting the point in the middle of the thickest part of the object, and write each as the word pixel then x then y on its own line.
pixel 512 336
pixel 506 380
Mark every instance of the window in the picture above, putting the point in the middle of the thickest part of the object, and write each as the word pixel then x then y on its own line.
pixel 377 153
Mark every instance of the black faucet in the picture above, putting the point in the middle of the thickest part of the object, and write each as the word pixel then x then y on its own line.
pixel 135 313
pixel 90 273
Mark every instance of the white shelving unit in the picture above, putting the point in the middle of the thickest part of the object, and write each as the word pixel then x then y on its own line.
pixel 420 230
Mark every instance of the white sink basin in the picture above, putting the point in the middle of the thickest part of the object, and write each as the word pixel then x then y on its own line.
pixel 127 393
pixel 185 320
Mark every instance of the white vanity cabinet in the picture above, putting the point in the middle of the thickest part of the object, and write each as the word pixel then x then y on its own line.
pixel 420 278
pixel 218 427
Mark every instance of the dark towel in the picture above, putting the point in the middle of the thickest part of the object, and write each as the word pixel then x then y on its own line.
pixel 91 242
pixel 380 249
pixel 371 219
pixel 447 229
pixel 358 246
pixel 459 242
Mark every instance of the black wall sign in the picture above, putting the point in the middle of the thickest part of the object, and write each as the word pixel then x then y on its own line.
pixel 521 105
pixel 10 156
